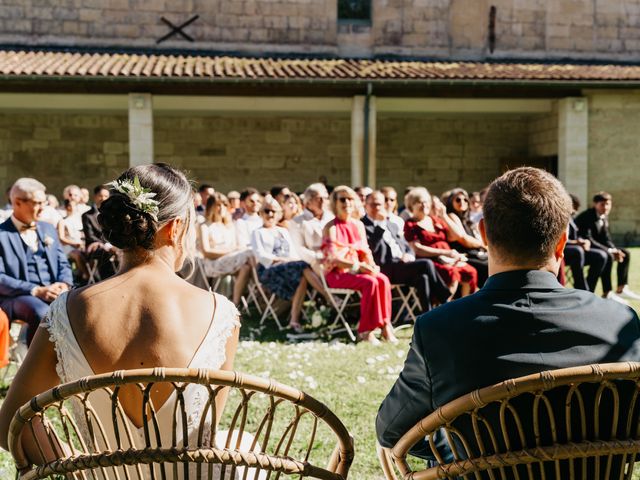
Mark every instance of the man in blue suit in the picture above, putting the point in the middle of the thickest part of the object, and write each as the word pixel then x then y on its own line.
pixel 33 268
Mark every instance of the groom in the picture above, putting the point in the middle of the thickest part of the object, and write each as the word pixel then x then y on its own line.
pixel 33 268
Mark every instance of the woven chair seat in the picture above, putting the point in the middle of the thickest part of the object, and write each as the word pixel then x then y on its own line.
pixel 579 422
pixel 283 423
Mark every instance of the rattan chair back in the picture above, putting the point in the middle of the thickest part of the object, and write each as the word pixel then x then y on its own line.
pixel 573 423
pixel 282 424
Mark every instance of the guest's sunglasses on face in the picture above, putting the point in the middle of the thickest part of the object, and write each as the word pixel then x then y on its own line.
pixel 461 200
pixel 345 199
pixel 268 211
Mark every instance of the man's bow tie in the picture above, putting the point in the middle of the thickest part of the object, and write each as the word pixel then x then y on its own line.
pixel 30 226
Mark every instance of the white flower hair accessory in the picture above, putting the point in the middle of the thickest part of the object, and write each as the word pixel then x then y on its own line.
pixel 141 197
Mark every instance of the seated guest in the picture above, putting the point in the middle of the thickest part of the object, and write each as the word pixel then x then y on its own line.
pixel 395 256
pixel 521 322
pixel 74 194
pixel 72 237
pixel 50 213
pixel 280 193
pixel 234 204
pixel 250 219
pixel 593 225
pixel 33 268
pixel 429 236
pixel 391 207
pixel 291 207
pixel 469 243
pixel 204 191
pixel 306 228
pixel 349 264
pixel 578 253
pixel 97 249
pixel 403 211
pixel 475 208
pixel 218 245
pixel 280 269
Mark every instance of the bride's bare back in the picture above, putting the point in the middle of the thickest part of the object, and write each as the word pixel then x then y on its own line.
pixel 146 317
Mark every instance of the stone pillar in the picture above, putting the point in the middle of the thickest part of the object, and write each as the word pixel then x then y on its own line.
pixel 573 146
pixel 140 129
pixel 372 164
pixel 363 172
pixel 357 140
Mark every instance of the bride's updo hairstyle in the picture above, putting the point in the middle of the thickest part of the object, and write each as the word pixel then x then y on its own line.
pixel 127 226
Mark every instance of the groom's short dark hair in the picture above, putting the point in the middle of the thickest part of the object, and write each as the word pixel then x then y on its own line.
pixel 525 212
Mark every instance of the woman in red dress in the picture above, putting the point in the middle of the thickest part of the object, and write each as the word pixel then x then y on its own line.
pixel 430 234
pixel 349 264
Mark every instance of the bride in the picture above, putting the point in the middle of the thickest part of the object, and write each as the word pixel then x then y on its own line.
pixel 145 316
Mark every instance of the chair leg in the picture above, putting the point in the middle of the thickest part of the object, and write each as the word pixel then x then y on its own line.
pixel 386 463
pixel 269 310
pixel 339 308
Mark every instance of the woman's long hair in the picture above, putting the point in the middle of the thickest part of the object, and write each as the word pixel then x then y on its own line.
pixel 212 215
pixel 464 217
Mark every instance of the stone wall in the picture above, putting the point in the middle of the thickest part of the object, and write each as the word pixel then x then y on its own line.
pixel 614 143
pixel 233 152
pixel 287 25
pixel 536 29
pixel 444 152
pixel 59 149
pixel 543 134
pixel 458 29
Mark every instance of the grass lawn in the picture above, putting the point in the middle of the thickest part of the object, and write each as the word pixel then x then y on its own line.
pixel 352 380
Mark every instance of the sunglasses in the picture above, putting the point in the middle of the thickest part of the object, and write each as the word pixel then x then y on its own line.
pixel 345 199
pixel 268 211
pixel 461 200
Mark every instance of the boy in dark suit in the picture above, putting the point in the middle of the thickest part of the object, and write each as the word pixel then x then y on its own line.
pixel 33 268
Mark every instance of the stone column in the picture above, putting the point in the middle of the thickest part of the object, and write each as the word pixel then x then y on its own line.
pixel 573 146
pixel 140 129
pixel 357 140
pixel 372 164
pixel 363 172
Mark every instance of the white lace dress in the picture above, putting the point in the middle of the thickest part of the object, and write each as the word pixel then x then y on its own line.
pixel 72 365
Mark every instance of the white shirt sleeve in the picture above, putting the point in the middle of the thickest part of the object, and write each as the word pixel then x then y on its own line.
pixel 262 246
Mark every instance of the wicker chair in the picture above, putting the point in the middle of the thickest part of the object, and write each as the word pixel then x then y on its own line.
pixel 284 424
pixel 571 423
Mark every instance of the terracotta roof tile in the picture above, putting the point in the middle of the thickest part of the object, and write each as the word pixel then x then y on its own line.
pixel 15 63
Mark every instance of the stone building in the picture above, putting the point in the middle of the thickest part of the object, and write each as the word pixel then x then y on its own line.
pixel 402 92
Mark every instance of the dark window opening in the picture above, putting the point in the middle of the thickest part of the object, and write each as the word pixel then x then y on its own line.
pixel 354 11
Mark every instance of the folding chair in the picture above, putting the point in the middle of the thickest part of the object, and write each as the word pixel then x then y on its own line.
pixel 340 300
pixel 92 268
pixel 268 298
pixel 409 302
pixel 251 298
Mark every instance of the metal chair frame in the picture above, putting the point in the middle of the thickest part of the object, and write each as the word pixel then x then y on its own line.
pixel 409 302
pixel 341 299
pixel 268 299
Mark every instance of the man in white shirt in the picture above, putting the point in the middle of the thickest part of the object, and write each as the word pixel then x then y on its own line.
pixel 306 228
pixel 251 220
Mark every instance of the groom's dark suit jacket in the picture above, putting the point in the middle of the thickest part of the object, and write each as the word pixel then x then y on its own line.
pixel 519 323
